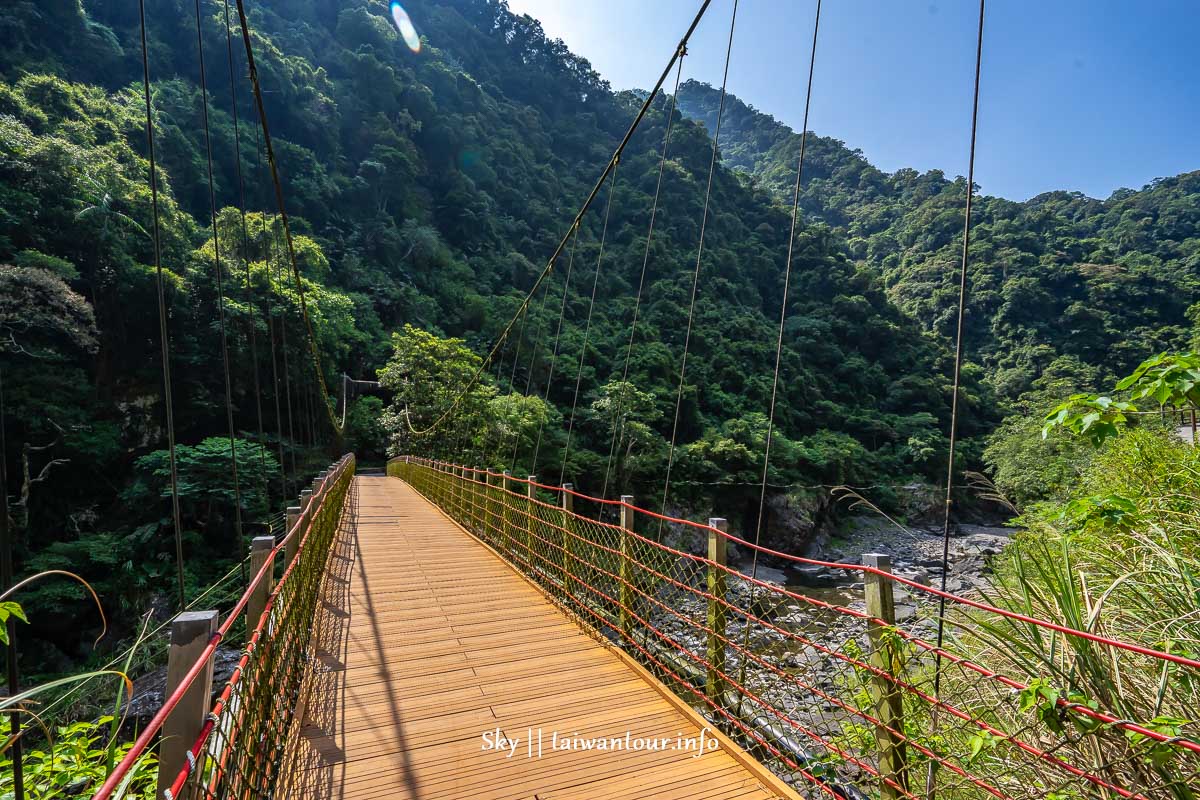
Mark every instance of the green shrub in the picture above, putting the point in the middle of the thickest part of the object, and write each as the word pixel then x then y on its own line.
pixel 76 763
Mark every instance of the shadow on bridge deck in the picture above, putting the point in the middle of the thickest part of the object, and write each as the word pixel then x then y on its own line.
pixel 428 641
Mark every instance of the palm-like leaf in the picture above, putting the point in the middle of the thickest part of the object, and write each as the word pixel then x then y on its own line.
pixel 100 201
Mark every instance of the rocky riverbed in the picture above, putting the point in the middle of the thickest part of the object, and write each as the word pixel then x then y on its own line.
pixel 149 689
pixel 916 553
pixel 803 646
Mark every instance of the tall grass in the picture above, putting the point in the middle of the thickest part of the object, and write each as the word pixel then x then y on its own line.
pixel 1122 560
pixel 76 757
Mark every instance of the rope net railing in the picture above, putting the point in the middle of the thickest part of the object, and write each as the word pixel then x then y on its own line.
pixel 240 745
pixel 836 692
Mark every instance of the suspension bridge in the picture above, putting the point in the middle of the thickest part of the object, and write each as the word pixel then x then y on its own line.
pixel 450 630
pixel 447 631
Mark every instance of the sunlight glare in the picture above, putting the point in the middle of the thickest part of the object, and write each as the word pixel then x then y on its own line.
pixel 407 30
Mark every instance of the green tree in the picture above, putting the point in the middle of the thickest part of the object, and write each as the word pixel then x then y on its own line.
pixel 431 381
pixel 365 434
pixel 626 416
pixel 206 491
pixel 1026 466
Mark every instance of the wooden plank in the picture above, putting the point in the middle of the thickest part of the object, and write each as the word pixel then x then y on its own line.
pixel 377 741
pixel 459 770
pixel 475 693
pixel 493 679
pixel 431 640
pixel 690 780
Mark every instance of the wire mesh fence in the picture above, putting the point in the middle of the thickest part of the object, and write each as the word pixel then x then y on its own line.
pixel 854 697
pixel 241 747
pixel 147 652
pixel 242 741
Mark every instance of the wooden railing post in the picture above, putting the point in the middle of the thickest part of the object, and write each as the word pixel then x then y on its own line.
pixel 714 683
pixel 306 501
pixel 529 517
pixel 475 490
pixel 491 516
pixel 568 557
pixel 293 545
pixel 506 512
pixel 889 700
pixel 463 489
pixel 190 634
pixel 260 553
pixel 460 474
pixel 625 613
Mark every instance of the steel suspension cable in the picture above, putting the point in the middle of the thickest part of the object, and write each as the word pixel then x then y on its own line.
pixel 277 290
pixel 587 203
pixel 557 340
pixel 313 424
pixel 168 401
pixel 237 161
pixel 302 440
pixel 587 327
pixel 287 230
pixel 501 437
pixel 783 305
pixel 687 337
pixel 494 458
pixel 305 402
pixel 287 372
pixel 483 446
pixel 957 386
pixel 11 665
pixel 537 346
pixel 314 427
pixel 459 446
pixel 461 442
pixel 212 202
pixel 283 481
pixel 512 378
pixel 619 426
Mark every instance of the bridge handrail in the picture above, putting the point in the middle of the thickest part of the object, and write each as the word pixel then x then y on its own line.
pixel 657 601
pixel 831 565
pixel 326 504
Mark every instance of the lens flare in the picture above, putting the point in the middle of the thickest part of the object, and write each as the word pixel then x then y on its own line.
pixel 407 30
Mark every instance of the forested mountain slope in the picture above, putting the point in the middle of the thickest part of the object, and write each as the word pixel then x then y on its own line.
pixel 1105 283
pixel 428 189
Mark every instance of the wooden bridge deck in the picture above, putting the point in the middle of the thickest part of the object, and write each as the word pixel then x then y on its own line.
pixel 429 640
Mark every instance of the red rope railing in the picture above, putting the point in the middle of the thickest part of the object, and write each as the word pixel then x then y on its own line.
pixel 810 689
pixel 250 718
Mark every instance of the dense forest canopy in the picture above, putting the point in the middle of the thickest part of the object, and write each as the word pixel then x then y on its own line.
pixel 426 190
pixel 1100 284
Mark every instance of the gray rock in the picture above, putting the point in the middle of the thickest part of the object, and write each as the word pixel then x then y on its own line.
pixel 770 575
pixel 814 577
pixel 915 575
pixel 149 690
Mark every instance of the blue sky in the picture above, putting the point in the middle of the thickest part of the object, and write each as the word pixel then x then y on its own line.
pixel 1088 96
